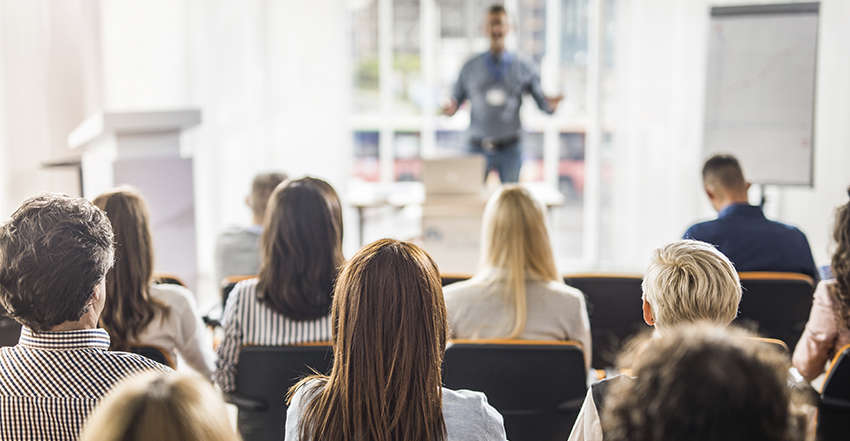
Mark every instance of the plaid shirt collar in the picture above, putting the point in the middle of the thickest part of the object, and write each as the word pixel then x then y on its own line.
pixel 65 340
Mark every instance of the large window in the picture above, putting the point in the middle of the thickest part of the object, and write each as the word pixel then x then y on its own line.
pixel 406 55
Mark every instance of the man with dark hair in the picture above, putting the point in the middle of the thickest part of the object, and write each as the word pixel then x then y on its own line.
pixel 704 383
pixel 237 249
pixel 742 232
pixel 494 83
pixel 54 255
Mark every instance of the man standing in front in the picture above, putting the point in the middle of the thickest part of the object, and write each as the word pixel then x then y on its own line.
pixel 494 83
pixel 742 232
pixel 54 256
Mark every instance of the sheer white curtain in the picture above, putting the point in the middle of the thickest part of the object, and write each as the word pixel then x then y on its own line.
pixel 657 124
pixel 50 79
pixel 272 79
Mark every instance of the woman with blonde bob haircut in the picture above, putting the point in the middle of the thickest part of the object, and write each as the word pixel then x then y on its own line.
pixel 160 407
pixel 389 336
pixel 517 293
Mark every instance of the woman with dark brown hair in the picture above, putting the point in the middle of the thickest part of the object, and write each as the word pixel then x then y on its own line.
pixel 137 311
pixel 389 337
pixel 828 328
pixel 289 301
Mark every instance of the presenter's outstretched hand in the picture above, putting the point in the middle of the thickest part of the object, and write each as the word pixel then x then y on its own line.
pixel 554 101
pixel 450 108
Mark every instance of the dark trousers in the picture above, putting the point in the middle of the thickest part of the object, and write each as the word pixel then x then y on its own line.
pixel 507 160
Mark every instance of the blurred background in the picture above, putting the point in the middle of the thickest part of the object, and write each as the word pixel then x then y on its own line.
pixel 350 90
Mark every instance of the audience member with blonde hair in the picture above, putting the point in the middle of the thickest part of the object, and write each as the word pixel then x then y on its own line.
pixel 686 281
pixel 390 335
pixel 703 382
pixel 139 312
pixel 517 293
pixel 160 407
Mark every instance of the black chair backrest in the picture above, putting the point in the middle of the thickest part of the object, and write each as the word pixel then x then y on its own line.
pixel 776 305
pixel 775 344
pixel 538 387
pixel 834 409
pixel 265 374
pixel 837 382
pixel 448 279
pixel 166 278
pixel 227 285
pixel 10 331
pixel 154 353
pixel 615 308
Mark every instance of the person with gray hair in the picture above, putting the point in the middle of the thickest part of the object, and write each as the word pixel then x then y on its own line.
pixel 686 281
pixel 55 252
pixel 237 249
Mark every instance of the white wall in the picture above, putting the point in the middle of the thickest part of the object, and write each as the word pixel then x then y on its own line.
pixel 812 208
pixel 658 135
pixel 145 54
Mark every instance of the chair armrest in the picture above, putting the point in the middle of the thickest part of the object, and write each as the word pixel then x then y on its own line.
pixel 570 406
pixel 213 317
pixel 246 403
pixel 835 403
pixel 211 322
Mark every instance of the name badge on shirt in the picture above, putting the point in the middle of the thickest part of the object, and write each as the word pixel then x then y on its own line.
pixel 496 97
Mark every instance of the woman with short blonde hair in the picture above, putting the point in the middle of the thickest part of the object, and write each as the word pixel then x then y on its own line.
pixel 160 407
pixel 688 281
pixel 517 292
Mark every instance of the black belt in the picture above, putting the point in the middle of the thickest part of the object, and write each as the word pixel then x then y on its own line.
pixel 491 144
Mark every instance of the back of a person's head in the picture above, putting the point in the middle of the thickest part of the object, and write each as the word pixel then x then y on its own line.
pixel 515 242
pixel 262 187
pixel 389 333
pixel 128 307
pixel 301 250
pixel 840 263
pixel 723 173
pixel 333 199
pixel 701 383
pixel 689 280
pixel 514 233
pixel 54 252
pixel 160 407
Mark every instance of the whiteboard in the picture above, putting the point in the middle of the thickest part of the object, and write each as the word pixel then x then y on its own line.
pixel 760 90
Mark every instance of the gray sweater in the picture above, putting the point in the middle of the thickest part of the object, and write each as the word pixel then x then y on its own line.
pixel 477 308
pixel 467 415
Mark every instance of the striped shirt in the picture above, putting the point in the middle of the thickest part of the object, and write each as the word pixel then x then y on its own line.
pixel 51 381
pixel 248 322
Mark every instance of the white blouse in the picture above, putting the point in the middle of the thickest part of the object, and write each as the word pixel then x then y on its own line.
pixel 181 331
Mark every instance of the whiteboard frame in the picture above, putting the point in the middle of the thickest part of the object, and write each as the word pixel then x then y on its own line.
pixel 780 9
